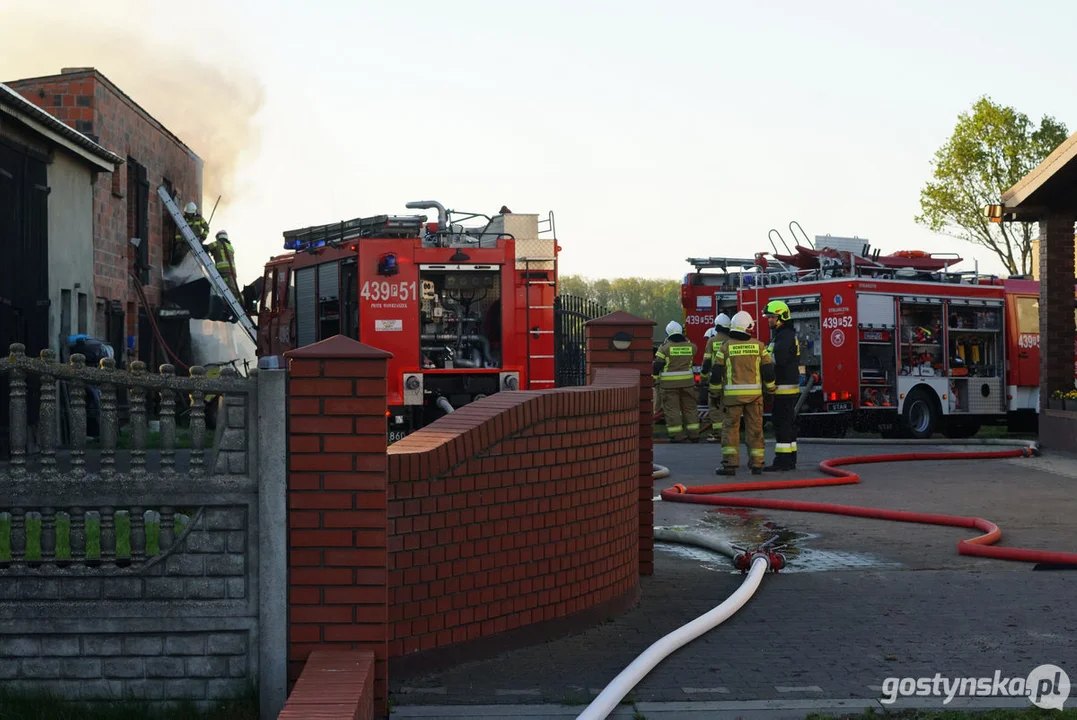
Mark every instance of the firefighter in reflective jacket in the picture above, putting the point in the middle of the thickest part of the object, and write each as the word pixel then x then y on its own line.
pixel 224 257
pixel 718 335
pixel 785 352
pixel 673 365
pixel 198 226
pixel 741 375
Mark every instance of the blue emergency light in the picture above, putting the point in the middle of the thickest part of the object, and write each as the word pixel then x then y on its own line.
pixel 387 264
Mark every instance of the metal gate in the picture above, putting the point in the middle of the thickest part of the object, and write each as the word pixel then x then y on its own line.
pixel 570 344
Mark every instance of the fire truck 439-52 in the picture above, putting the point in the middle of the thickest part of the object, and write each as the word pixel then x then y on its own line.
pixel 899 343
pixel 465 311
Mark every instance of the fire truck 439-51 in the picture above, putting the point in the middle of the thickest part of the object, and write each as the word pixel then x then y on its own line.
pixel 900 343
pixel 465 311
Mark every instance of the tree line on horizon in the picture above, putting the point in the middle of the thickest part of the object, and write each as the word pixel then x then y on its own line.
pixel 658 300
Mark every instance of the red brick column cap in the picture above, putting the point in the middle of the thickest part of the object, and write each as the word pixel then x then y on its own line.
pixel 338 346
pixel 620 318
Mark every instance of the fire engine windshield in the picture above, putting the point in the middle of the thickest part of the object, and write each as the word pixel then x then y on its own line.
pixel 460 318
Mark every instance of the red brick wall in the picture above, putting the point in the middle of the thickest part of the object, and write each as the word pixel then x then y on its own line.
pixel 91 104
pixel 636 357
pixel 514 510
pixel 521 508
pixel 337 555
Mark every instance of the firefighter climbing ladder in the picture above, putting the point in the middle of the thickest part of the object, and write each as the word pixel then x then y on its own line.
pixel 209 268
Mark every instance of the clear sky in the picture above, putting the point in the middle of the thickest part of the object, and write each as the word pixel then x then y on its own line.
pixel 654 131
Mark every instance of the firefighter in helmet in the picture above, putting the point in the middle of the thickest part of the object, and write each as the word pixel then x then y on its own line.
pixel 673 365
pixel 224 259
pixel 785 353
pixel 742 373
pixel 718 335
pixel 198 226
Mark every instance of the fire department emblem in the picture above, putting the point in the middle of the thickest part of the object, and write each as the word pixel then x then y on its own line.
pixel 837 300
pixel 837 338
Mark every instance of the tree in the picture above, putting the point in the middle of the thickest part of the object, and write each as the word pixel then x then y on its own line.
pixel 658 300
pixel 992 148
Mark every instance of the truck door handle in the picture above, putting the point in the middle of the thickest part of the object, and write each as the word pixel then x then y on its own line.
pixel 1022 354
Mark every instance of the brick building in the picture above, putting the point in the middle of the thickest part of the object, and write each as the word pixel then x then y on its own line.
pixel 125 203
pixel 1048 196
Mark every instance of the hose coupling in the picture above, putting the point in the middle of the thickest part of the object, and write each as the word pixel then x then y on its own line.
pixel 743 560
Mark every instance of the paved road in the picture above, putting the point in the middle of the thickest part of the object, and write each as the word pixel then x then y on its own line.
pixel 865 600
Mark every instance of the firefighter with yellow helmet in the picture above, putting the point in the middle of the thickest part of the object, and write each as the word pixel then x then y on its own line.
pixel 716 336
pixel 785 352
pixel 673 366
pixel 741 374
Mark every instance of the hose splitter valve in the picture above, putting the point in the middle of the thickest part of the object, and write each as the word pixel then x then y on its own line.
pixel 746 556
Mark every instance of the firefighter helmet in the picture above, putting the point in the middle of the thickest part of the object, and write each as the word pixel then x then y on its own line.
pixel 742 322
pixel 778 309
pixel 710 333
pixel 674 328
pixel 191 208
pixel 722 321
pixel 222 235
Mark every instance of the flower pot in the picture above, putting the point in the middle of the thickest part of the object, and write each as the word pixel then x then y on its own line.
pixel 1055 404
pixel 1069 405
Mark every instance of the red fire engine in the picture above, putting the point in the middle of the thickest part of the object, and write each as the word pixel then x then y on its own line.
pixel 465 311
pixel 897 343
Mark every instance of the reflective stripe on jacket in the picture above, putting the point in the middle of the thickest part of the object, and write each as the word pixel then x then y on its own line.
pixel 786 356
pixel 742 371
pixel 198 226
pixel 673 362
pixel 711 352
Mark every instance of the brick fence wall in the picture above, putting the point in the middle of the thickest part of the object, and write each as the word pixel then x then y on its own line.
pixel 515 511
pixel 620 340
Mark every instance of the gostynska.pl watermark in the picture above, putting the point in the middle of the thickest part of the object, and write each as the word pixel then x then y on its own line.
pixel 1047 686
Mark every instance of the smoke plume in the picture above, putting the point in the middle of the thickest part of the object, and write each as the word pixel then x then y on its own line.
pixel 210 107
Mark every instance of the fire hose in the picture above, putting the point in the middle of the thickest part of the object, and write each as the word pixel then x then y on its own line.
pixel 979 546
pixel 756 562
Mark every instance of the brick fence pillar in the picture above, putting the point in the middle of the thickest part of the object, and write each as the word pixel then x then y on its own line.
pixel 1056 305
pixel 338 559
pixel 623 340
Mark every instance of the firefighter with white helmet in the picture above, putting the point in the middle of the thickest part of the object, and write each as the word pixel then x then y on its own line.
pixel 224 259
pixel 673 366
pixel 198 226
pixel 717 335
pixel 785 352
pixel 742 373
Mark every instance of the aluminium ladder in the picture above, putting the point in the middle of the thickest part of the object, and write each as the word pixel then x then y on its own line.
pixel 209 268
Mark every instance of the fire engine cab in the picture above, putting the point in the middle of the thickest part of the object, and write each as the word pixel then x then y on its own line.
pixel 465 311
pixel 899 343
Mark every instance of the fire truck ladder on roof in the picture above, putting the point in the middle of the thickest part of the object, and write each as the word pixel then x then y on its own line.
pixel 209 268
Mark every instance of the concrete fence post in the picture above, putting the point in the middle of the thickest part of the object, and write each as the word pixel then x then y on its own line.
pixel 268 440
pixel 620 340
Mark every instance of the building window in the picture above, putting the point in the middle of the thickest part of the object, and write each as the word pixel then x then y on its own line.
pixel 65 314
pixel 1028 316
pixel 138 219
pixel 83 316
pixel 168 227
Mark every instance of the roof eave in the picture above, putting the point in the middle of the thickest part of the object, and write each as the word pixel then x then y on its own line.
pixel 1026 187
pixel 107 164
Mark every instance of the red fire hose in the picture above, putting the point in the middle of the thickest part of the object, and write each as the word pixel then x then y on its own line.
pixel 978 546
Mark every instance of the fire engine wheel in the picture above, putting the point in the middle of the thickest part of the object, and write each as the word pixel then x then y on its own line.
pixel 920 416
